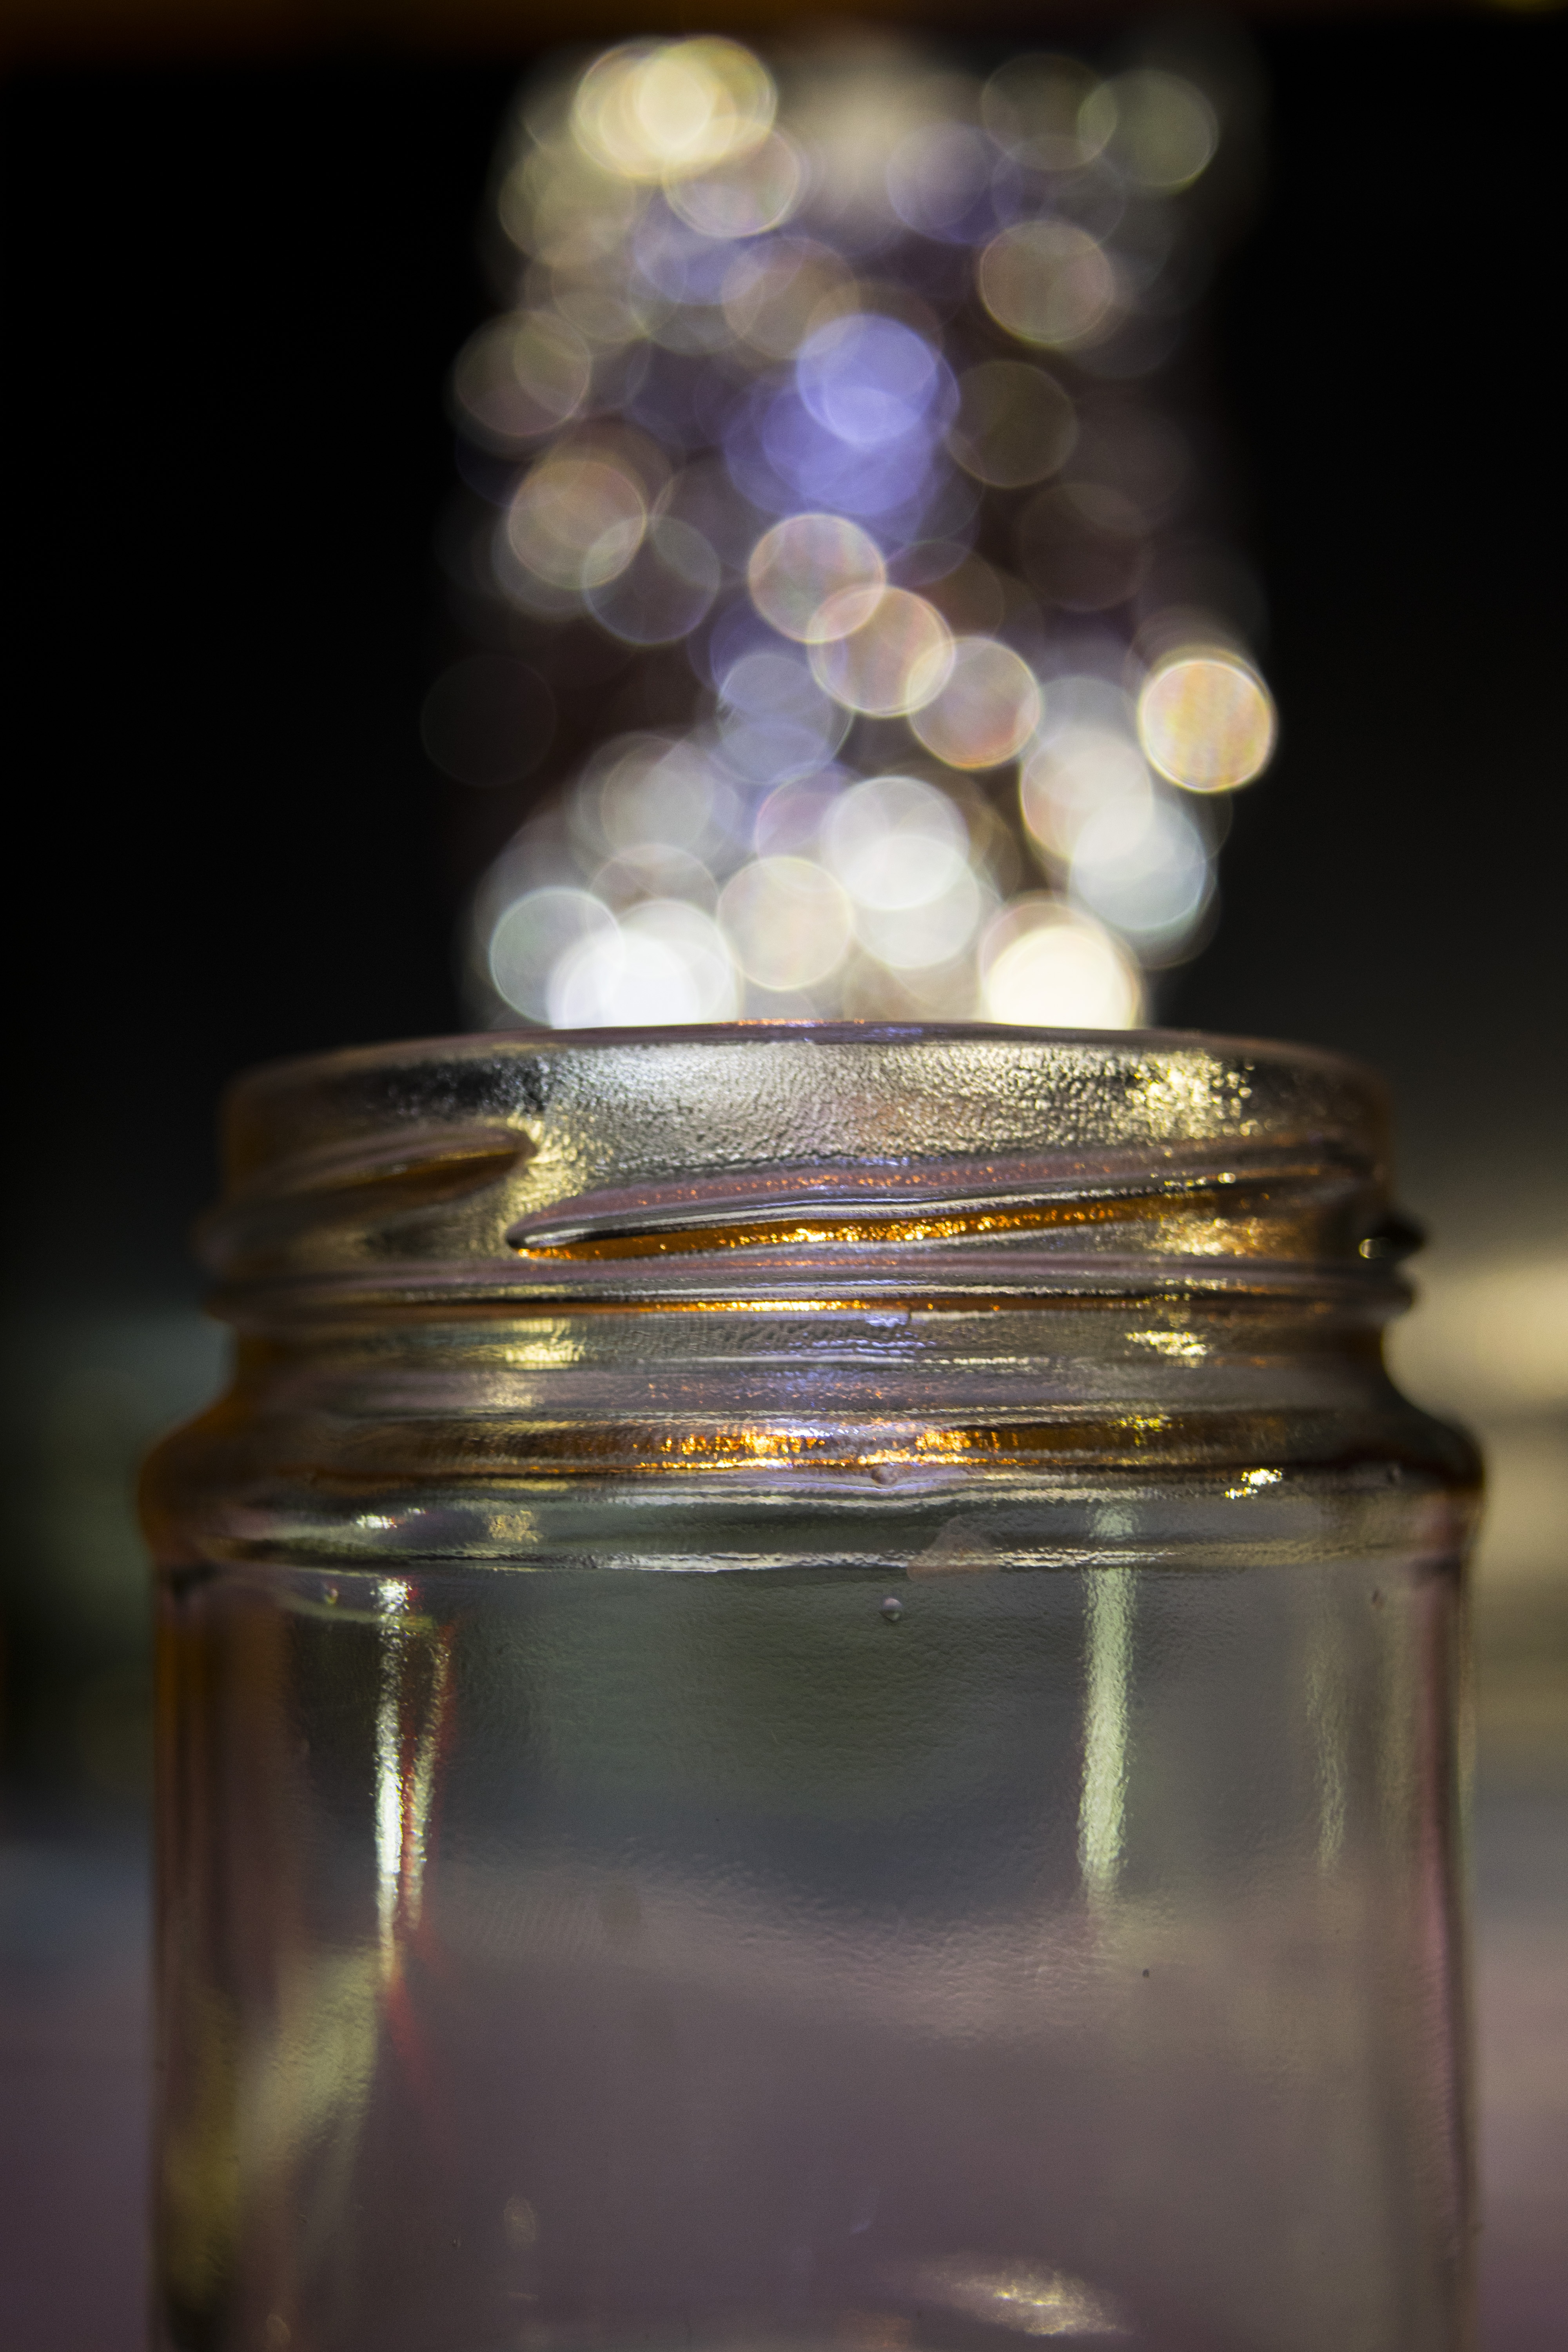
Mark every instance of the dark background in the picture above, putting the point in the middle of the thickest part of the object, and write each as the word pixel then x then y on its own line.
pixel 232 296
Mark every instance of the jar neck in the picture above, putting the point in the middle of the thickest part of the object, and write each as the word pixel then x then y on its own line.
pixel 604 1389
pixel 1003 1309
pixel 1194 1222
pixel 474 1432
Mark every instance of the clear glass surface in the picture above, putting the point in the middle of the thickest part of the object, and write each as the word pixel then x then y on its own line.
pixel 704 1809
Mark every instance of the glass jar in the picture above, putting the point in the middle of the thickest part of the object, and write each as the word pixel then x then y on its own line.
pixel 809 1698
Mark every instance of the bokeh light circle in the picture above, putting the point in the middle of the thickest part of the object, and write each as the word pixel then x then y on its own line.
pixel 1145 872
pixel 1082 545
pixel 1047 965
pixel 939 181
pixel 1048 283
pixel 785 388
pixel 575 521
pixel 1074 772
pixel 895 843
pixel 663 963
pixel 914 939
pixel 1156 128
pixel 654 111
pixel 773 291
pixel 1206 720
pixel 774 719
pixel 745 197
pixel 1034 108
pixel 789 923
pixel 1015 424
pixel 871 380
pixel 986 710
pixel 529 939
pixel 646 789
pixel 798 565
pixel 883 651
pixel 521 377
pixel 661 591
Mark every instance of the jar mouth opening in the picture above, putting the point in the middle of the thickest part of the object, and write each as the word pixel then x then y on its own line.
pixel 789 1160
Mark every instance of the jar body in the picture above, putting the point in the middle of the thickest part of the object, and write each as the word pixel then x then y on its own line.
pixel 906 1901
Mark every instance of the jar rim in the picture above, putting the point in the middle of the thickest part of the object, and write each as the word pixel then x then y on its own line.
pixel 466 1046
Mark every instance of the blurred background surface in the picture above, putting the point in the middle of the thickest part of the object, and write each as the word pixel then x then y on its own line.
pixel 240 252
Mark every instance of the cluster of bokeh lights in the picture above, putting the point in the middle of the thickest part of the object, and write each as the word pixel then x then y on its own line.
pixel 836 418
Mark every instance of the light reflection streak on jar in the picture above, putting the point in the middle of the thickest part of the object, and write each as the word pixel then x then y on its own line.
pixel 410 1726
pixel 1109 1595
pixel 1022 2298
